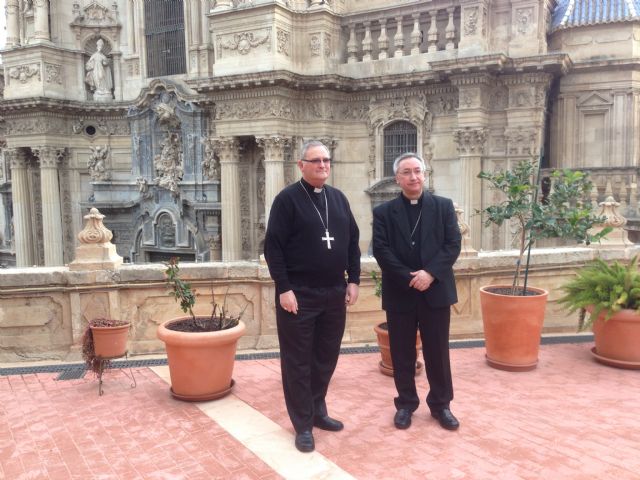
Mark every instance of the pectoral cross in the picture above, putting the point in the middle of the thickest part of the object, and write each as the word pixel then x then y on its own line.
pixel 327 239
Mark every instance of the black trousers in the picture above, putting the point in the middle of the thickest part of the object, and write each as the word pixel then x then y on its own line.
pixel 309 348
pixel 433 324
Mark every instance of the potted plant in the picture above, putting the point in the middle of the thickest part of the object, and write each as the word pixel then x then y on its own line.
pixel 104 339
pixel 382 333
pixel 200 349
pixel 611 296
pixel 513 315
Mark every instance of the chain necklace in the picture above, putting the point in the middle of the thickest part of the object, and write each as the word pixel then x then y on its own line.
pixel 326 237
pixel 414 228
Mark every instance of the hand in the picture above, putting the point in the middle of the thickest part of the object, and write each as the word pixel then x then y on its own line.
pixel 352 294
pixel 289 302
pixel 421 280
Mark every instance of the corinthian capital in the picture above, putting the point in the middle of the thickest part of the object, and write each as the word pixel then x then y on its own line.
pixel 15 158
pixel 274 147
pixel 49 156
pixel 226 148
pixel 470 141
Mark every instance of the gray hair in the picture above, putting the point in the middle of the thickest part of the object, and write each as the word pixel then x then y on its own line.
pixel 310 144
pixel 404 156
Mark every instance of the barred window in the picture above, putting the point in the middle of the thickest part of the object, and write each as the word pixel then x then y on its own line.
pixel 399 137
pixel 164 34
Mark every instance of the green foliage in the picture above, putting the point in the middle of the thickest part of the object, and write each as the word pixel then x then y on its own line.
pixel 377 280
pixel 220 318
pixel 603 288
pixel 565 213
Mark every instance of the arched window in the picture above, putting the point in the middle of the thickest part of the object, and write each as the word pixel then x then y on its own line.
pixel 164 34
pixel 399 137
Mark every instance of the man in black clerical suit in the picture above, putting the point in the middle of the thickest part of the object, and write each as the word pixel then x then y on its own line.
pixel 416 241
pixel 311 241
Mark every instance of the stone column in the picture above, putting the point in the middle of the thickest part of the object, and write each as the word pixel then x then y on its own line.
pixel 51 209
pixel 22 214
pixel 227 150
pixel 41 21
pixel 274 149
pixel 13 24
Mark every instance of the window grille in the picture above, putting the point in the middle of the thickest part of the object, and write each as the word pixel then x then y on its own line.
pixel 399 137
pixel 164 34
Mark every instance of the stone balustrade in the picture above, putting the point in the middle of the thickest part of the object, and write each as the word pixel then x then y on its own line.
pixel 395 34
pixel 43 311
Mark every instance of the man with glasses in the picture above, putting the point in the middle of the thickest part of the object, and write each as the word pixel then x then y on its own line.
pixel 416 241
pixel 311 241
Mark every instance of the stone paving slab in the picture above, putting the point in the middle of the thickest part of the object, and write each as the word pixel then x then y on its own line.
pixel 571 418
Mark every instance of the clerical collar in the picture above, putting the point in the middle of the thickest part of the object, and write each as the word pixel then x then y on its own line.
pixel 411 201
pixel 310 187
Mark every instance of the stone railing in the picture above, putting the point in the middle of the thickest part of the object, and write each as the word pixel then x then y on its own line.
pixel 397 33
pixel 44 311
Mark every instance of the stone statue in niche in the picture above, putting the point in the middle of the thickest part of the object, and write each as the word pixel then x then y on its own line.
pixel 167 231
pixel 98 75
pixel 168 163
pixel 97 163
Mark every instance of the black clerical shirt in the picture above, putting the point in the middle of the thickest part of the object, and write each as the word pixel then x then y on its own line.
pixel 293 247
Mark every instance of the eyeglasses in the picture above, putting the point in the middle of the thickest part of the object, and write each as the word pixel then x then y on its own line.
pixel 407 173
pixel 318 161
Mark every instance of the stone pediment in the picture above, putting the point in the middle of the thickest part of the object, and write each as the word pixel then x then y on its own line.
pixel 382 191
pixel 96 14
pixel 594 99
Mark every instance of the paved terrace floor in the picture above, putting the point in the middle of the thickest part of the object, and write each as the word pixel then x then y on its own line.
pixel 571 418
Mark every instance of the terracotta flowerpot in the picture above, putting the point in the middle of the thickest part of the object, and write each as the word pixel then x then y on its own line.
pixel 618 339
pixel 110 342
pixel 200 363
pixel 512 327
pixel 386 364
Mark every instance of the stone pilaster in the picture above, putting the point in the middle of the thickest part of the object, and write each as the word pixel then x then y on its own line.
pixel 41 21
pixel 22 213
pixel 471 144
pixel 226 148
pixel 274 150
pixel 51 208
pixel 13 24
pixel 473 28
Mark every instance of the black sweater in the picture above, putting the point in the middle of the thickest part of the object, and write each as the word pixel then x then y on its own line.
pixel 293 246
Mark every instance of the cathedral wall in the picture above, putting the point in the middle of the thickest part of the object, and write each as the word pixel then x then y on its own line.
pixel 42 317
pixel 599 42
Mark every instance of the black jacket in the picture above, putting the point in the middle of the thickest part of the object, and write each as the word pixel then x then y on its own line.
pixel 440 242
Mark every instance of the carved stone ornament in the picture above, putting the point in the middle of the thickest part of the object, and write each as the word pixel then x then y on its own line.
pixel 471 21
pixel 609 210
pixel 24 73
pixel 94 230
pixel 283 41
pixel 53 73
pixel 97 14
pixel 327 44
pixel 524 17
pixel 97 163
pixel 243 42
pixel 522 141
pixel 210 163
pixel 314 44
pixel 168 164
pixel 470 141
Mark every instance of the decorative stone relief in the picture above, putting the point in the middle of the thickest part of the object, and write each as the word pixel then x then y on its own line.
pixel 210 163
pixel 24 73
pixel 444 104
pixel 524 17
pixel 327 44
pixel 522 141
pixel 470 141
pixel 283 41
pixel 471 21
pixel 520 97
pixel 243 42
pixel 97 163
pixel 271 108
pixel 314 44
pixel 168 164
pixel 499 98
pixel 52 73
pixel 40 124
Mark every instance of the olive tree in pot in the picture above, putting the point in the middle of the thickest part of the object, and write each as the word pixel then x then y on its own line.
pixel 513 315
pixel 200 349
pixel 382 334
pixel 610 294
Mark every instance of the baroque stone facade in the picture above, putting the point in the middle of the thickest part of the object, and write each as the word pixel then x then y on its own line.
pixel 188 163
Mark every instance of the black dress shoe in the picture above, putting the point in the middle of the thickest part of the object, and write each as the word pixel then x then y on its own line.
pixel 327 423
pixel 446 419
pixel 402 419
pixel 304 441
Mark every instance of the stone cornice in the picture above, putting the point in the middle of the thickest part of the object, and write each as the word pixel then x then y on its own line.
pixel 40 104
